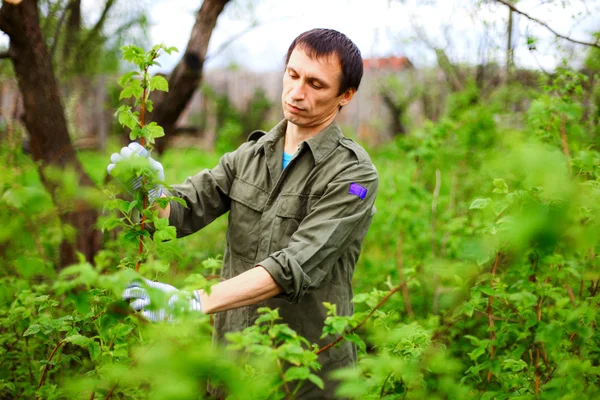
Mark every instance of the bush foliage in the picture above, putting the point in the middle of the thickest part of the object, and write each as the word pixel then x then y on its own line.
pixel 478 279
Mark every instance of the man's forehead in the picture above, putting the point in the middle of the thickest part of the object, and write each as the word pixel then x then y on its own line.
pixel 329 61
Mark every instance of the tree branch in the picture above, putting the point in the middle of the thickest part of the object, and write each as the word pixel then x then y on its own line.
pixel 381 303
pixel 95 31
pixel 57 31
pixel 537 21
pixel 238 35
pixel 5 54
pixel 43 377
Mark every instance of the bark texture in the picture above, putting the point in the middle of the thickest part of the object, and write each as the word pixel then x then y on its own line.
pixel 187 74
pixel 46 123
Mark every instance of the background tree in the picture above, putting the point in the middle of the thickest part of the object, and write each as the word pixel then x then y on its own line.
pixel 185 78
pixel 44 115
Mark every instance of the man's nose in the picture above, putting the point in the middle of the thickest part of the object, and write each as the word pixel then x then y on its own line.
pixel 297 92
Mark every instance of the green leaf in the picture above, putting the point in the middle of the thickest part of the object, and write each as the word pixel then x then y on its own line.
pixel 132 54
pixel 179 200
pixel 126 93
pixel 168 233
pixel 360 298
pixel 41 299
pixel 94 349
pixel 500 186
pixel 161 223
pixel 78 340
pixel 124 80
pixel 32 330
pixel 154 130
pixel 316 380
pixel 296 373
pixel 128 119
pixel 354 338
pixel 339 324
pixel 159 83
pixel 480 203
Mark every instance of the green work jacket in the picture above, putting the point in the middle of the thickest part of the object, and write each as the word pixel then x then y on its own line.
pixel 304 224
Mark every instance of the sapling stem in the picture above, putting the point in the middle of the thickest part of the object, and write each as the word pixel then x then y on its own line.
pixel 143 143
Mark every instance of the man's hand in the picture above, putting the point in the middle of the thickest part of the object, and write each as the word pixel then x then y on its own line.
pixel 139 299
pixel 134 184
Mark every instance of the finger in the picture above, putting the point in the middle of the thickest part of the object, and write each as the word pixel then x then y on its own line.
pixel 161 286
pixel 135 293
pixel 116 157
pixel 155 316
pixel 126 152
pixel 138 149
pixel 139 304
pixel 155 165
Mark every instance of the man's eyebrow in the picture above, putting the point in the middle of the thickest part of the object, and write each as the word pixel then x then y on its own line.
pixel 317 80
pixel 309 77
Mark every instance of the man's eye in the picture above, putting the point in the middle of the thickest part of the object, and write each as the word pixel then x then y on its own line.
pixel 316 86
pixel 292 75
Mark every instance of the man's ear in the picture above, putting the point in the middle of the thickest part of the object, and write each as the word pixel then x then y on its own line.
pixel 347 96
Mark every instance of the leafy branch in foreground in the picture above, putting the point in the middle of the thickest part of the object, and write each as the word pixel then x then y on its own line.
pixel 136 169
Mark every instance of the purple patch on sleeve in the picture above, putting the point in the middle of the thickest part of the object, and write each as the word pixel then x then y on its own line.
pixel 358 190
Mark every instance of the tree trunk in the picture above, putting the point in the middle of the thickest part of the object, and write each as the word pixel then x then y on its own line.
pixel 397 110
pixel 185 78
pixel 509 47
pixel 450 70
pixel 45 121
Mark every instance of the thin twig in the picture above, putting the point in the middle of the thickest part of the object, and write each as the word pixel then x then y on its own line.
pixel 565 143
pixel 537 21
pixel 381 303
pixel 133 364
pixel 285 385
pixel 400 262
pixel 57 31
pixel 571 295
pixel 434 201
pixel 485 314
pixel 95 317
pixel 537 349
pixel 491 315
pixel 110 392
pixel 43 377
pixel 143 143
pixel 387 378
pixel 238 35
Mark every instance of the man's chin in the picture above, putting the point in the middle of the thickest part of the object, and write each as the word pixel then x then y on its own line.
pixel 294 119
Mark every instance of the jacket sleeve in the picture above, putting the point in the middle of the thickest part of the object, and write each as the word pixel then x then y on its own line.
pixel 325 233
pixel 206 195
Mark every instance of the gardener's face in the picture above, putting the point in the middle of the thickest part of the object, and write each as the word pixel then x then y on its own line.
pixel 310 89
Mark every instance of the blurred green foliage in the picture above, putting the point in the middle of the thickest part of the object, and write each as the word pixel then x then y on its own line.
pixel 479 277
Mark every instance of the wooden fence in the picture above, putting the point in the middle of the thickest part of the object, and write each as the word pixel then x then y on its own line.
pixel 89 111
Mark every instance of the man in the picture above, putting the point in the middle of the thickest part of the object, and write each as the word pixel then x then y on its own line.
pixel 300 200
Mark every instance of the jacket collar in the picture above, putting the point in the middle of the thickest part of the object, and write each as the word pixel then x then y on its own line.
pixel 320 145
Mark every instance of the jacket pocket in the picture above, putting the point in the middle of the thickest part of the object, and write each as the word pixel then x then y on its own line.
pixel 291 210
pixel 243 230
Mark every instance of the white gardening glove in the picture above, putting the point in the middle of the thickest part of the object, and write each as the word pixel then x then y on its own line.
pixel 140 300
pixel 135 183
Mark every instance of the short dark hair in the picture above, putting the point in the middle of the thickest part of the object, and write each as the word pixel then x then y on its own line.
pixel 323 42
